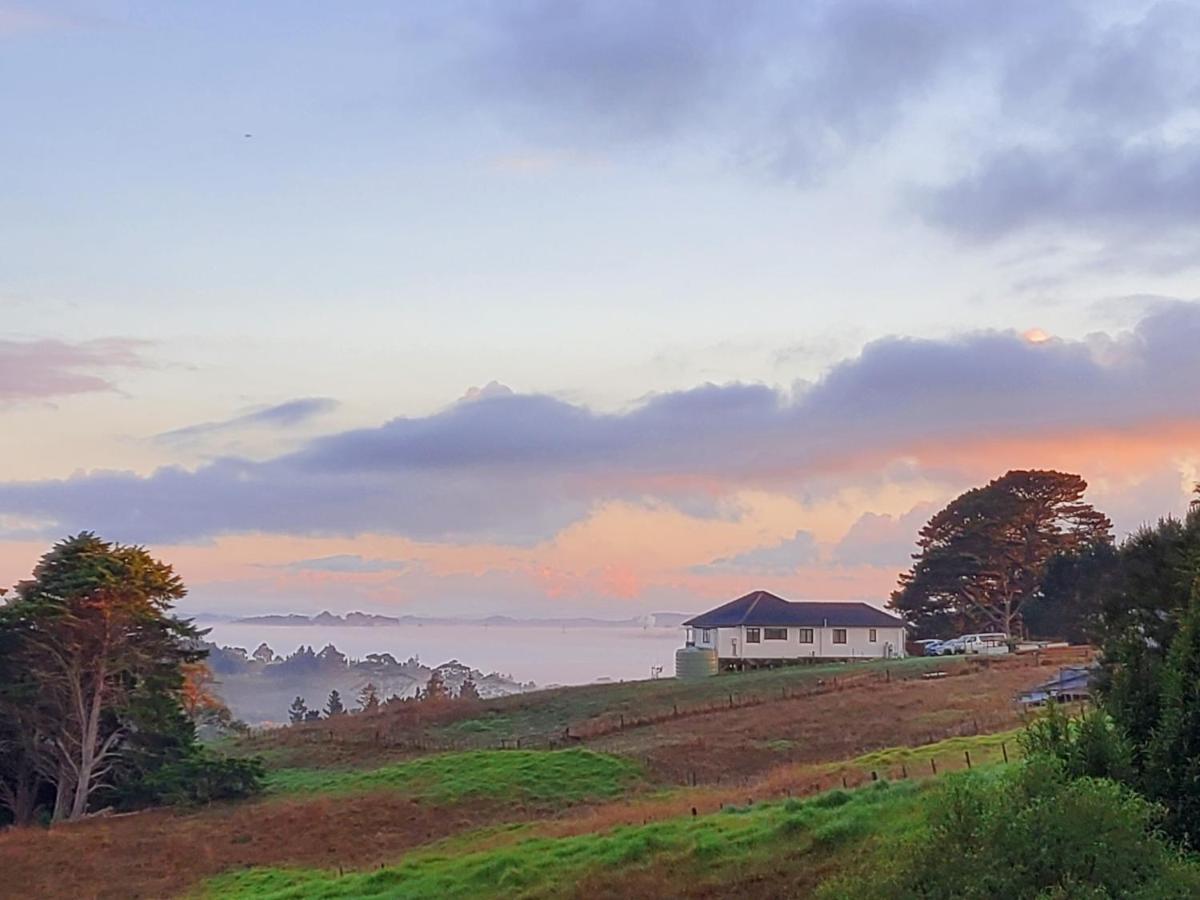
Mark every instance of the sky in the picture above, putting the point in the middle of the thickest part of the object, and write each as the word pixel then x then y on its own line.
pixel 558 308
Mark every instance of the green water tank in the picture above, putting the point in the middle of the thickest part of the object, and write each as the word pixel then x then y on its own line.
pixel 694 662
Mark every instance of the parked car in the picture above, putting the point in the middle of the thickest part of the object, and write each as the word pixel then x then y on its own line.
pixel 994 643
pixel 951 647
pixel 927 645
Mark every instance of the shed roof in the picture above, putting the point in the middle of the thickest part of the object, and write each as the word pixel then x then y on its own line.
pixel 765 609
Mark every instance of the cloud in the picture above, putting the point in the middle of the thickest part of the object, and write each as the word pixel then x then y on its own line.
pixel 783 558
pixel 282 415
pixel 1072 116
pixel 786 88
pixel 1100 186
pixel 882 540
pixel 38 370
pixel 346 563
pixel 518 467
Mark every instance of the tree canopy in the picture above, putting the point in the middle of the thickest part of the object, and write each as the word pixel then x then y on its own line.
pixel 94 678
pixel 984 556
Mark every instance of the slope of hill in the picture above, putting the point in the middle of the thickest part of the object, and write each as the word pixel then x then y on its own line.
pixel 354 794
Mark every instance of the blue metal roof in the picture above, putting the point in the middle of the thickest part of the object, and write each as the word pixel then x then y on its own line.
pixel 763 608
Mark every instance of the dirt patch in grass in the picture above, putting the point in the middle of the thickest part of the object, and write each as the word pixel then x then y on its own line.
pixel 160 853
pixel 739 744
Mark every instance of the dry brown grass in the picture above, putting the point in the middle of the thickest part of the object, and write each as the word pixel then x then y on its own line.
pixel 162 853
pixel 733 745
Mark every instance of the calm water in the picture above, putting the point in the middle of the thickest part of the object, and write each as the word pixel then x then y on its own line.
pixel 543 655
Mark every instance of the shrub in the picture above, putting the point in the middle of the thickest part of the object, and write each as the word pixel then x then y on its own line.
pixel 1029 832
pixel 204 777
pixel 1089 746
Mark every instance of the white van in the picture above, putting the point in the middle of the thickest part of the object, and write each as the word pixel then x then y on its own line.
pixel 993 643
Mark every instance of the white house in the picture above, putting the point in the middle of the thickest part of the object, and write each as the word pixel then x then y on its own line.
pixel 761 629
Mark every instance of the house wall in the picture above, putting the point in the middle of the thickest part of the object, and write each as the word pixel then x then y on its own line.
pixel 730 643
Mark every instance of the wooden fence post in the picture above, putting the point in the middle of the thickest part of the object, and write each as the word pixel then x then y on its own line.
pixel 933 765
pixel 967 754
pixel 1004 750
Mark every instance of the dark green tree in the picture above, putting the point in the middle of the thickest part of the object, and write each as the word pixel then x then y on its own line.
pixel 1069 604
pixel 92 629
pixel 334 705
pixel 983 557
pixel 297 710
pixel 1172 772
pixel 368 699
pixel 92 681
pixel 469 690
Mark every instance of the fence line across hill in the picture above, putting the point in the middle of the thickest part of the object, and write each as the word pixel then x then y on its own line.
pixel 400 736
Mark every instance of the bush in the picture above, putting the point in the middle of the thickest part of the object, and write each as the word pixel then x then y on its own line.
pixel 1029 832
pixel 204 777
pixel 1089 746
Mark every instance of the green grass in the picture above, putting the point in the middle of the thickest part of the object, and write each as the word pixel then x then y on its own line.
pixel 543 776
pixel 768 836
pixel 547 713
pixel 984 749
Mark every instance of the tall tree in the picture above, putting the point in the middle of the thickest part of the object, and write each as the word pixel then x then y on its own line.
pixel 298 711
pixel 1069 604
pixel 368 698
pixel 334 705
pixel 983 557
pixel 23 748
pixel 264 654
pixel 1173 764
pixel 469 690
pixel 435 689
pixel 93 631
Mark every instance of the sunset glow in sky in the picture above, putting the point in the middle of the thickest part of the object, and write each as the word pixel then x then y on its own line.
pixel 550 308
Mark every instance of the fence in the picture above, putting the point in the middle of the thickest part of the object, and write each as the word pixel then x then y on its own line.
pixel 407 735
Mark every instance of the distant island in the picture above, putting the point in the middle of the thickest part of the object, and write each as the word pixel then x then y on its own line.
pixel 371 620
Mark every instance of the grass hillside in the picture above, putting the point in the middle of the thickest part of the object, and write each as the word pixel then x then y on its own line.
pixel 794 842
pixel 375 806
pixel 537 776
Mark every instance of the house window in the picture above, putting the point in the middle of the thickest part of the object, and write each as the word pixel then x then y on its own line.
pixel 753 636
pixel 839 635
pixel 775 634
pixel 706 635
pixel 806 635
pixel 871 636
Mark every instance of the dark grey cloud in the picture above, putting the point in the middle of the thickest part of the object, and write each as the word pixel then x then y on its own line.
pixel 41 369
pixel 782 558
pixel 1102 186
pixel 787 88
pixel 515 467
pixel 1098 139
pixel 1068 115
pixel 282 415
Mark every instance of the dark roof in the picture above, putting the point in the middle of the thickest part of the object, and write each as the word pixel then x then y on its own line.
pixel 764 608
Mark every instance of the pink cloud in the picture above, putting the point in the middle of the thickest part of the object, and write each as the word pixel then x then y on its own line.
pixel 36 370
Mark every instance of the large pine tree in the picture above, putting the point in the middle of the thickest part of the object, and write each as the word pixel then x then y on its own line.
pixel 982 557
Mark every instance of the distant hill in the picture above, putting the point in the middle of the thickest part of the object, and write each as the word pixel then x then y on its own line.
pixel 259 687
pixel 369 620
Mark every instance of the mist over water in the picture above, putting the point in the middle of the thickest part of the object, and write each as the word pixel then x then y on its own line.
pixel 542 654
